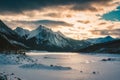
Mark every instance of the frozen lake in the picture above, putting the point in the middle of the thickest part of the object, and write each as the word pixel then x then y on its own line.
pixel 84 67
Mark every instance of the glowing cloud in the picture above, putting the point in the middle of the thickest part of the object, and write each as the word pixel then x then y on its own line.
pixel 79 19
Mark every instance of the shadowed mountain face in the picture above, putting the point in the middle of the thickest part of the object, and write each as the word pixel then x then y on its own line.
pixel 5 30
pixel 4 43
pixel 108 47
pixel 9 39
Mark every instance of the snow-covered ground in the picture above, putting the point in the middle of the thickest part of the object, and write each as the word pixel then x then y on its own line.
pixel 15 59
pixel 61 66
pixel 6 76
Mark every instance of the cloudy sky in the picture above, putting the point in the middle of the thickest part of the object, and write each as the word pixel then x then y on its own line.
pixel 78 19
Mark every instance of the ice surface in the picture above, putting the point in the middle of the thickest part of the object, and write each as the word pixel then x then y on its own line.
pixel 53 67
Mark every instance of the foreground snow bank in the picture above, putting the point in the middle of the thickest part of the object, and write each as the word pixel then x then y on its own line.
pixel 13 59
pixel 42 66
pixel 27 62
pixel 5 76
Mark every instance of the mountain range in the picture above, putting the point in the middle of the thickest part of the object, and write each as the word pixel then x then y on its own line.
pixel 43 38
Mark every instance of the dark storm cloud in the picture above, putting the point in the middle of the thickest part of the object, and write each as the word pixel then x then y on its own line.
pixel 48 23
pixel 85 22
pixel 102 23
pixel 115 32
pixel 53 15
pixel 18 6
pixel 52 23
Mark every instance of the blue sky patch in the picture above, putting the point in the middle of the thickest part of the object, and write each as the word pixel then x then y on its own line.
pixel 113 15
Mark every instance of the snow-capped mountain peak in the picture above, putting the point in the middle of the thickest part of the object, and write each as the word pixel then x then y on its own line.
pixel 40 31
pixel 22 32
pixel 46 36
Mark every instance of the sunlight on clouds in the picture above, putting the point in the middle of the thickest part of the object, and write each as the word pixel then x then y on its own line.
pixel 85 22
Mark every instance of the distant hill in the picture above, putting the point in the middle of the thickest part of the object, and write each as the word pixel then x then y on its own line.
pixel 107 47
pixel 100 40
